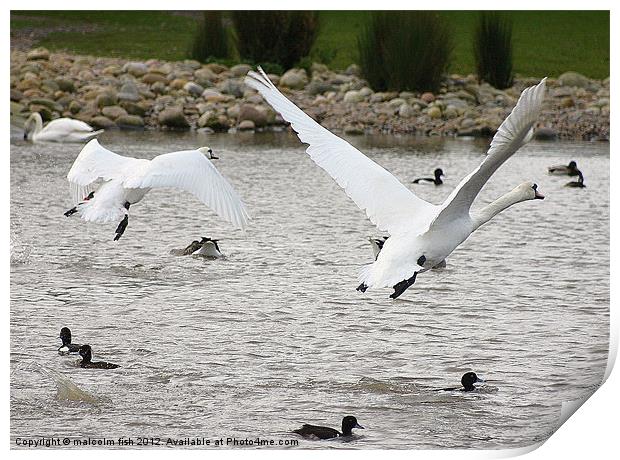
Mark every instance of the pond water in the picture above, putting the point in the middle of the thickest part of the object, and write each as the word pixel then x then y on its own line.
pixel 275 335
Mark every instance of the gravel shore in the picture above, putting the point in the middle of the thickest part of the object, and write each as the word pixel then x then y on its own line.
pixel 116 93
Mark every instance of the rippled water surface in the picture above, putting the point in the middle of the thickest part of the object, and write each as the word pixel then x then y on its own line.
pixel 276 335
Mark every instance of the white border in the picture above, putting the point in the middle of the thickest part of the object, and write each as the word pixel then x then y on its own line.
pixel 592 432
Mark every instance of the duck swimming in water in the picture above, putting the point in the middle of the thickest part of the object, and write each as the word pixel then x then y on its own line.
pixel 323 432
pixel 87 356
pixel 206 247
pixel 67 346
pixel 578 183
pixel 467 381
pixel 562 170
pixel 209 248
pixel 436 180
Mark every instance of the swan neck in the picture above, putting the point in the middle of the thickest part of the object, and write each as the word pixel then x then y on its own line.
pixel 487 213
pixel 39 124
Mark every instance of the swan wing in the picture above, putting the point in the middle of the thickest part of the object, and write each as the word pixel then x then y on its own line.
pixel 513 133
pixel 191 171
pixel 389 205
pixel 68 125
pixel 95 162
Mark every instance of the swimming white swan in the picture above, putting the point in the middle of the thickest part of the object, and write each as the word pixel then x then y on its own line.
pixel 127 180
pixel 422 235
pixel 59 130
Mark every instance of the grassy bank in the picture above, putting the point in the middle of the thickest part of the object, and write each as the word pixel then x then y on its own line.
pixel 545 43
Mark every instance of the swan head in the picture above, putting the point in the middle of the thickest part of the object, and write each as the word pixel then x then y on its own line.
pixel 529 191
pixel 208 152
pixel 31 123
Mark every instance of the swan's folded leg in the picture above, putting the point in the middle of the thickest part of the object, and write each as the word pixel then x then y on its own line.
pixel 123 224
pixel 401 287
pixel 74 209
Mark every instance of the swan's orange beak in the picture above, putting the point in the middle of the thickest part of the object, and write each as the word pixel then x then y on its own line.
pixel 538 196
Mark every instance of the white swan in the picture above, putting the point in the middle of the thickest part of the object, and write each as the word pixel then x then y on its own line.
pixel 422 235
pixel 59 130
pixel 127 180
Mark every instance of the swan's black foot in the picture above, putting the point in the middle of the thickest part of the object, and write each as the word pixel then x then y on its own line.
pixel 380 242
pixel 71 211
pixel 421 260
pixel 401 287
pixel 121 228
pixel 362 287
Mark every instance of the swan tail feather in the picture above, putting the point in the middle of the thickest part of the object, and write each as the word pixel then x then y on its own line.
pixel 90 211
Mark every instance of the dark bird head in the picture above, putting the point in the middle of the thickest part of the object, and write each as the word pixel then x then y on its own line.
pixel 348 423
pixel 469 379
pixel 89 196
pixel 208 152
pixel 537 194
pixel 65 335
pixel 86 353
pixel 438 173
pixel 572 165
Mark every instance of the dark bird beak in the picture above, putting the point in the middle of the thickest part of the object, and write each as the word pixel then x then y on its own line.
pixel 357 425
pixel 213 157
pixel 479 380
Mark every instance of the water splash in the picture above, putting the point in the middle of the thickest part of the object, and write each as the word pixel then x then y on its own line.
pixel 66 390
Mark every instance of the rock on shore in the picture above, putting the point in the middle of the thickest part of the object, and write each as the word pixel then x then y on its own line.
pixel 111 92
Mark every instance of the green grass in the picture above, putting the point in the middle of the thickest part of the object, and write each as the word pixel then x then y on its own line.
pixel 129 34
pixel 545 42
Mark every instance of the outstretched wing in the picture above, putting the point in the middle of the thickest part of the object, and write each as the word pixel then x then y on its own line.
pixel 95 162
pixel 389 205
pixel 513 133
pixel 191 171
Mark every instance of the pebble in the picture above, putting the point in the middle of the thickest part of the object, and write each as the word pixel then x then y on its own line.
pixel 246 125
pixel 173 117
pixel 107 92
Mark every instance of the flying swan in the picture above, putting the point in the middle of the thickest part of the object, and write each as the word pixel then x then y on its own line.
pixel 422 235
pixel 59 130
pixel 126 180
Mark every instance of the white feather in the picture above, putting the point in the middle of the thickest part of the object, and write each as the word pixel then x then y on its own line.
pixel 129 179
pixel 417 227
pixel 389 205
pixel 513 133
pixel 59 130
